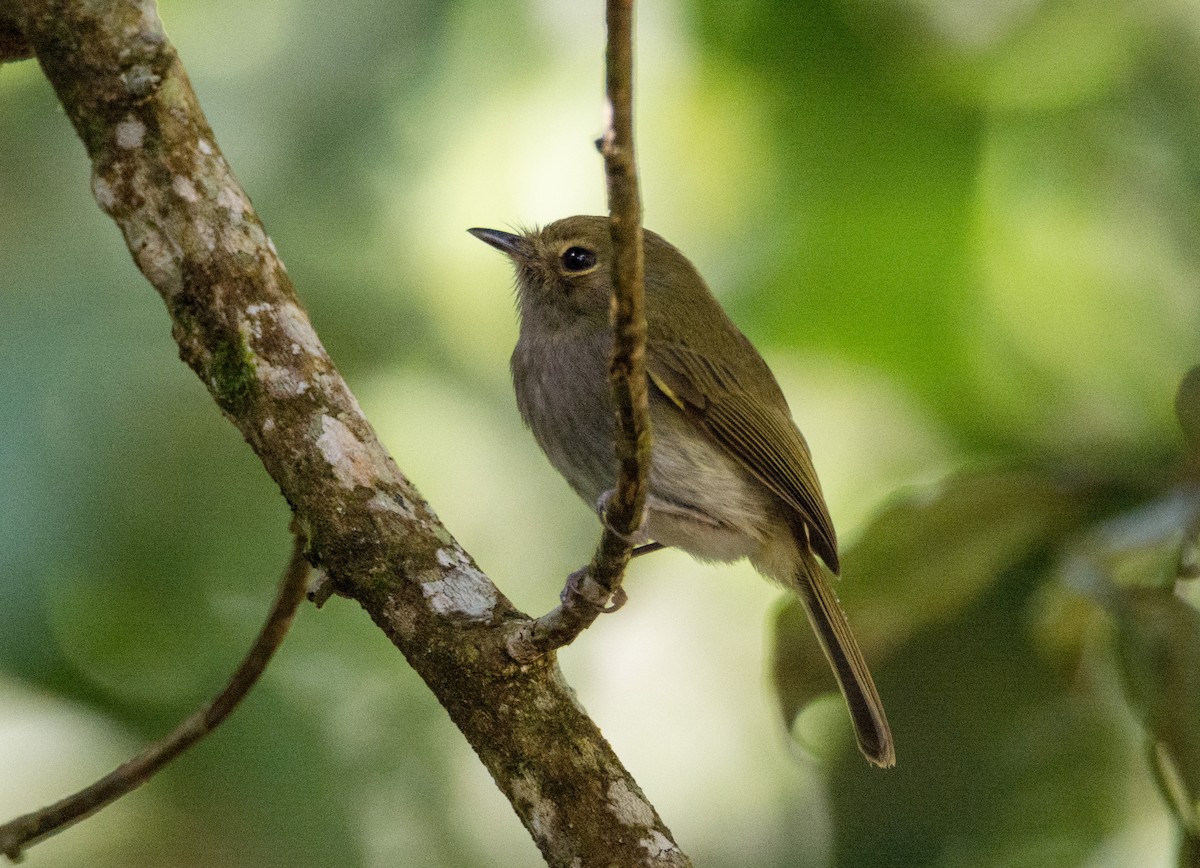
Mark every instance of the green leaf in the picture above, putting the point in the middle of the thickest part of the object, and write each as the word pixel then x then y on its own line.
pixel 1149 547
pixel 1002 762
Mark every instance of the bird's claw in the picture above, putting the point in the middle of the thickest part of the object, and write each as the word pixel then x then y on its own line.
pixel 581 586
pixel 638 537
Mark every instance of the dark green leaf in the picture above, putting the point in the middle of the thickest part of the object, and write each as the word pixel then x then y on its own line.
pixel 1187 408
pixel 1001 761
pixel 923 559
pixel 1130 566
pixel 1149 547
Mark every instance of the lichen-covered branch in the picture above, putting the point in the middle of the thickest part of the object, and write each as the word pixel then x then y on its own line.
pixel 158 171
pixel 22 831
pixel 597 588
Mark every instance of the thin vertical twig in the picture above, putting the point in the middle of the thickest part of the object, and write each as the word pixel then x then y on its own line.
pixel 627 372
pixel 597 587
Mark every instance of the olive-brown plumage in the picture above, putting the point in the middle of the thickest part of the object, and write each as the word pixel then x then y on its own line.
pixel 731 476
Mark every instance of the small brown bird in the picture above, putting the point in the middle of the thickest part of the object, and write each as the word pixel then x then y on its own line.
pixel 731 475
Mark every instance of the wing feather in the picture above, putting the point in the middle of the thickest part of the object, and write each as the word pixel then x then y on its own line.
pixel 757 430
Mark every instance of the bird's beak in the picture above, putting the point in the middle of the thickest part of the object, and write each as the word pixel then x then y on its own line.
pixel 513 245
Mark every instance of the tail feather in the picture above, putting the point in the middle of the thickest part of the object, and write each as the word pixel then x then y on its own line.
pixel 833 631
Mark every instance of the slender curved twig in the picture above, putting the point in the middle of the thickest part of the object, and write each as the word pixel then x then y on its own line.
pixel 30 828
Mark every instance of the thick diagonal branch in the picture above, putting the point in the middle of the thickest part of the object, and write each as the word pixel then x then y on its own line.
pixel 157 170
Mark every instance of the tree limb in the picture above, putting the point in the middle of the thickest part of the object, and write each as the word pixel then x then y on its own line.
pixel 19 833
pixel 158 172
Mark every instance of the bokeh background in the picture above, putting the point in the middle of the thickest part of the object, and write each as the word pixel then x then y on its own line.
pixel 963 234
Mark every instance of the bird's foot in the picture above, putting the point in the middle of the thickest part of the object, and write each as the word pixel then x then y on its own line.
pixel 581 586
pixel 639 537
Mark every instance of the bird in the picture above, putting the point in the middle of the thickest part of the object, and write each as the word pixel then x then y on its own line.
pixel 731 476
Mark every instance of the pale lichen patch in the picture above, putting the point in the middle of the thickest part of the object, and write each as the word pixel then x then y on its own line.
pixel 157 256
pixel 205 147
pixel 234 201
pixel 281 383
pixel 351 461
pixel 659 846
pixel 395 503
pixel 140 80
pixel 464 591
pixel 206 233
pixel 542 813
pixel 299 330
pixel 130 133
pixel 103 193
pixel 184 188
pixel 627 806
pixel 150 29
pixel 257 236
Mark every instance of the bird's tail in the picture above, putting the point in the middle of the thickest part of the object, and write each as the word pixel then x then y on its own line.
pixel 829 623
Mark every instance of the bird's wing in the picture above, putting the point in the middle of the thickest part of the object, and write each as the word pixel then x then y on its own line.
pixel 756 430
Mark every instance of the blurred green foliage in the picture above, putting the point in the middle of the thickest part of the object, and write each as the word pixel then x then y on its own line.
pixel 964 236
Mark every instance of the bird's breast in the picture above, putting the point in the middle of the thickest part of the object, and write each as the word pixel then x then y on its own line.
pixel 562 390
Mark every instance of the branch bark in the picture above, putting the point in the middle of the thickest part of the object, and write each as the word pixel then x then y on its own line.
pixel 158 172
pixel 627 373
pixel 12 41
pixel 597 588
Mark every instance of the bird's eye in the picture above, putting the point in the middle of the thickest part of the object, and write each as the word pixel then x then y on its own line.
pixel 578 259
